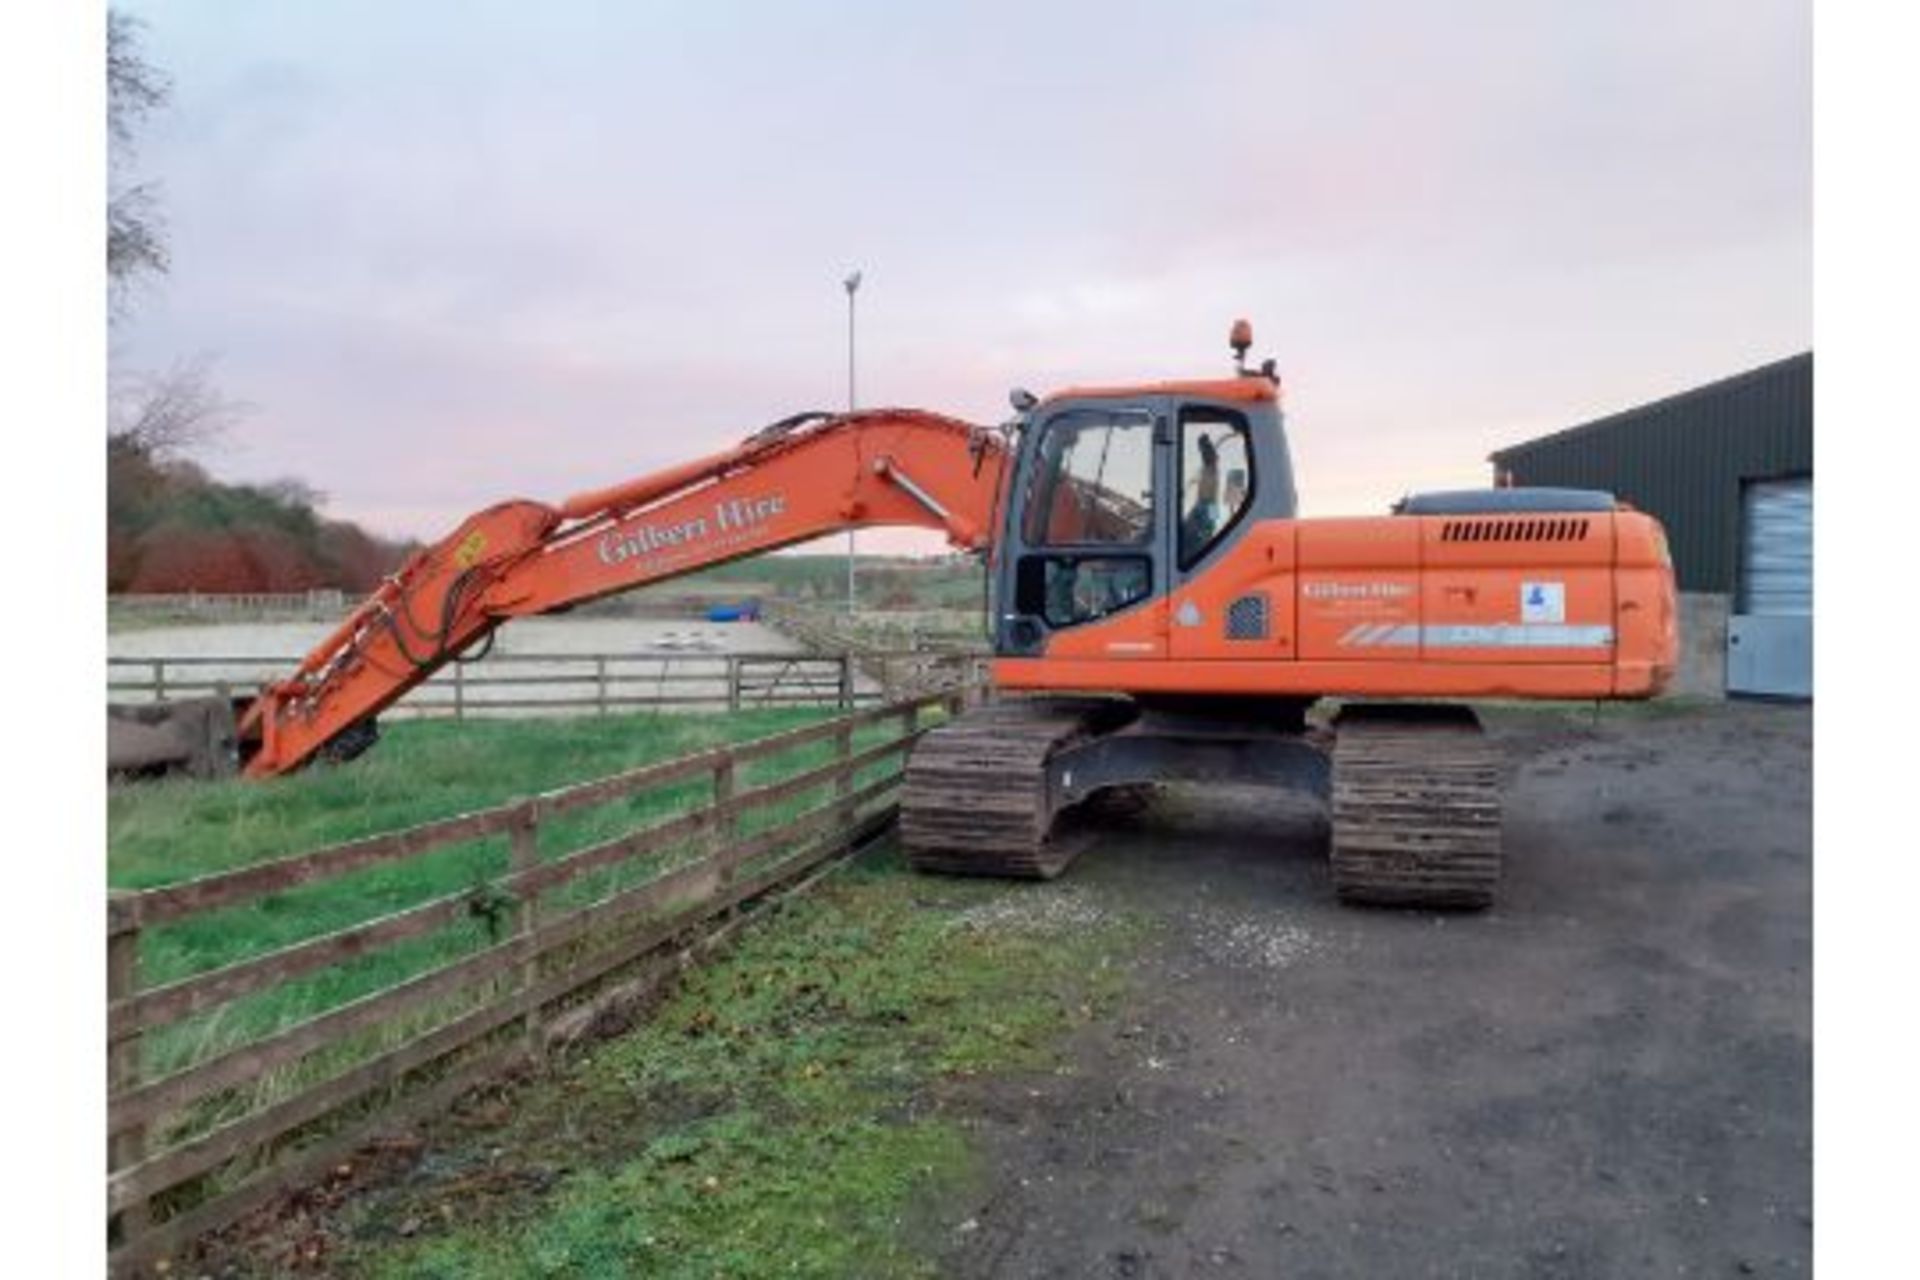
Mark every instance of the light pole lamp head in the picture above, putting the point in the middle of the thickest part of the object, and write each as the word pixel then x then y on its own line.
pixel 852 282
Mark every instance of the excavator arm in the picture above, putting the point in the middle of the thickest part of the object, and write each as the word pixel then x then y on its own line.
pixel 801 478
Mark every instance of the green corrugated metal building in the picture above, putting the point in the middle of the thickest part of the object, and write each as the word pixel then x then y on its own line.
pixel 1687 459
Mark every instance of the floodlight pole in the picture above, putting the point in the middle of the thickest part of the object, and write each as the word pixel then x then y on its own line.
pixel 852 283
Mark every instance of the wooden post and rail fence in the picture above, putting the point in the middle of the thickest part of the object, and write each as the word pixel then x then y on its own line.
pixel 587 683
pixel 205 1126
pixel 879 635
pixel 326 604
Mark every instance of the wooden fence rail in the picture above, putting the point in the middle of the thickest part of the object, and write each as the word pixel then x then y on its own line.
pixel 508 684
pixel 888 648
pixel 674 600
pixel 195 1144
pixel 588 683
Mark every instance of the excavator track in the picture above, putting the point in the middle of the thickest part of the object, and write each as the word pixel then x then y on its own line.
pixel 1416 807
pixel 977 797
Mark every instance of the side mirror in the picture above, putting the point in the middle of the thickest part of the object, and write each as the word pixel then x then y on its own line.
pixel 1022 400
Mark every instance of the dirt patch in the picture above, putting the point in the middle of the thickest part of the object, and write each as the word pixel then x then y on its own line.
pixel 1609 1074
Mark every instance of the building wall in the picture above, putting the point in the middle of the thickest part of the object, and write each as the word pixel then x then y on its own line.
pixel 1685 458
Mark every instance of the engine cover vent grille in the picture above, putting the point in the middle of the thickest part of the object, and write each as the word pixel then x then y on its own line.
pixel 1247 617
pixel 1566 530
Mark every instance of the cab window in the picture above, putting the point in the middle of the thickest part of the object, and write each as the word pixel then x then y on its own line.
pixel 1067 590
pixel 1092 481
pixel 1088 517
pixel 1216 478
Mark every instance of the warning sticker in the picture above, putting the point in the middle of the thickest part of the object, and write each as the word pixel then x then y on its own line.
pixel 1543 602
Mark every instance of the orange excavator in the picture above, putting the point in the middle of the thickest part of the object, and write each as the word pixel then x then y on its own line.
pixel 1159 613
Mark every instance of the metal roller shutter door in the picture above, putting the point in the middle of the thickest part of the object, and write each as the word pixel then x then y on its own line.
pixel 1770 638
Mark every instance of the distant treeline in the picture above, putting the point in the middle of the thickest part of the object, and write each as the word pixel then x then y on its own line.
pixel 172 528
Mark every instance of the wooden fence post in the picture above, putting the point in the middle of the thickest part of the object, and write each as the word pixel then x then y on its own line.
pixel 123 1057
pixel 843 780
pixel 600 680
pixel 523 854
pixel 159 679
pixel 726 825
pixel 733 683
pixel 909 727
pixel 846 680
pixel 459 690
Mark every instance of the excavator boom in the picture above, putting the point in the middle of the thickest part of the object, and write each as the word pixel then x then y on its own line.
pixel 803 477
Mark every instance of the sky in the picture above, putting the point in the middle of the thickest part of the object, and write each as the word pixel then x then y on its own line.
pixel 450 253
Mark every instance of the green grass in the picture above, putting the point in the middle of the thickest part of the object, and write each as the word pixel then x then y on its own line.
pixel 881 582
pixel 422 770
pixel 777 1116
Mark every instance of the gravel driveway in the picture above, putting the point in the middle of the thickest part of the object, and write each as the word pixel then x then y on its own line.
pixel 1607 1075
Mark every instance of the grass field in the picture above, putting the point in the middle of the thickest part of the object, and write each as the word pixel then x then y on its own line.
pixel 780 1115
pixel 420 771
pixel 881 582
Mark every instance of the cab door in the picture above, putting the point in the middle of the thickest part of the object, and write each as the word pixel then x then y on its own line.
pixel 1084 574
pixel 1230 535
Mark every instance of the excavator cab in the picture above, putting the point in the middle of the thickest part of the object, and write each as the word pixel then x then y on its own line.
pixel 1121 495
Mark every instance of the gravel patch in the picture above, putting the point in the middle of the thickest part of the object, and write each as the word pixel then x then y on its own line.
pixel 1250 941
pixel 1033 909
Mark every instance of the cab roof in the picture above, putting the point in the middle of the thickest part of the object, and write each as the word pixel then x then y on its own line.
pixel 1248 389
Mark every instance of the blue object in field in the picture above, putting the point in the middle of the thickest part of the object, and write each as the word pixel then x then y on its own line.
pixel 747 612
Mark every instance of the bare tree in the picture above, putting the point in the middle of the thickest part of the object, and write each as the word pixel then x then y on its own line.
pixel 156 421
pixel 136 246
pixel 161 416
pixel 167 415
